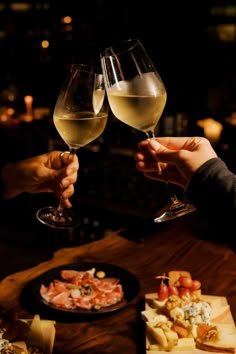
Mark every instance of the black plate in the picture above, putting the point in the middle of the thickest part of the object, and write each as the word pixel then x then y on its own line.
pixel 128 281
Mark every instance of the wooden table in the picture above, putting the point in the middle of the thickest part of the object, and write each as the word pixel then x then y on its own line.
pixel 148 252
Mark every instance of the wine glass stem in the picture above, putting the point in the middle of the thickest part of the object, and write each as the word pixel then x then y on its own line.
pixel 150 134
pixel 172 194
pixel 61 206
pixel 175 202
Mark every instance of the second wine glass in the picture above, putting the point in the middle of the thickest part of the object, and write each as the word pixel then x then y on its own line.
pixel 137 96
pixel 80 116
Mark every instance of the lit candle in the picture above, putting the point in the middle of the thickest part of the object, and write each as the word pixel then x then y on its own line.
pixel 29 109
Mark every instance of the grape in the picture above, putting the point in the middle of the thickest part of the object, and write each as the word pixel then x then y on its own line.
pixel 185 281
pixel 163 291
pixel 196 284
pixel 184 291
pixel 173 290
pixel 184 287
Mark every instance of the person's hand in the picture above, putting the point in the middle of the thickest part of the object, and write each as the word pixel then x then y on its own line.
pixel 173 159
pixel 50 172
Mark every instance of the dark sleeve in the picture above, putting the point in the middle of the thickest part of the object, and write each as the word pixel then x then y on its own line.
pixel 213 192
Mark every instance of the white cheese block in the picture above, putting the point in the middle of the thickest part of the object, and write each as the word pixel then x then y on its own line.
pixel 152 315
pixel 41 334
pixel 49 332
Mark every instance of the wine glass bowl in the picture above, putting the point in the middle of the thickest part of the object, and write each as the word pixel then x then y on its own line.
pixel 135 91
pixel 137 97
pixel 80 116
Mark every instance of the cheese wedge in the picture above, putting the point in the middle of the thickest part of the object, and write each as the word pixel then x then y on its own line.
pixel 35 335
pixel 159 304
pixel 172 338
pixel 41 334
pixel 152 315
pixel 49 332
pixel 157 334
pixel 164 337
pixel 151 301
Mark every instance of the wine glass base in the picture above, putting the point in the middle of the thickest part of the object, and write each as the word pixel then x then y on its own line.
pixel 52 217
pixel 175 212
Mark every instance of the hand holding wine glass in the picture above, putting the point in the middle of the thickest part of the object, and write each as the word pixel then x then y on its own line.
pixel 137 96
pixel 80 116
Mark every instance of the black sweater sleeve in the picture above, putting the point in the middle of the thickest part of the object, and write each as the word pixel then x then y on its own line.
pixel 213 191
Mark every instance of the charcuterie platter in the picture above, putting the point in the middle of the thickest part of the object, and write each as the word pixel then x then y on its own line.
pixel 85 288
pixel 179 318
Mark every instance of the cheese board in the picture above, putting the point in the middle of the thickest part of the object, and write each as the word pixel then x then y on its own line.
pixel 220 315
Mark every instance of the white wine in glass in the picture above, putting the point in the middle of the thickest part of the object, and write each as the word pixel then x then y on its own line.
pixel 80 116
pixel 137 97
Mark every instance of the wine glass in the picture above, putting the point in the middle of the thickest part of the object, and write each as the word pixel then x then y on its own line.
pixel 80 116
pixel 137 97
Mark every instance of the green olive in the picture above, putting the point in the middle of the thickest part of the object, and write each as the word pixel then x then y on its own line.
pixel 100 274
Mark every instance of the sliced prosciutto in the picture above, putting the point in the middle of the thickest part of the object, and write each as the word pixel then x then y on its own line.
pixel 82 289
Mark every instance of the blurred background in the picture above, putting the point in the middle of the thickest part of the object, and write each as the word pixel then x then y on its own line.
pixel 193 47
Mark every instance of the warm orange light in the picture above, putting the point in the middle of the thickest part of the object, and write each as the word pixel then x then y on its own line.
pixel 45 44
pixel 29 109
pixel 4 117
pixel 28 99
pixel 67 19
pixel 10 111
pixel 212 129
pixel 20 6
